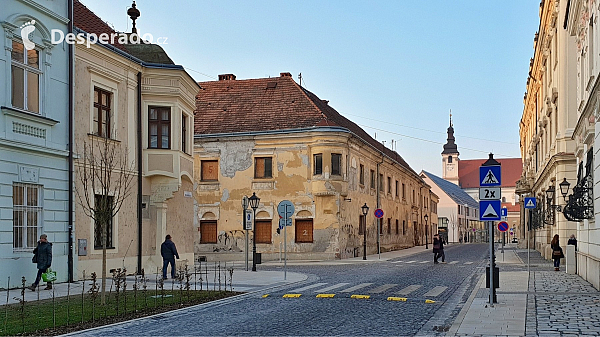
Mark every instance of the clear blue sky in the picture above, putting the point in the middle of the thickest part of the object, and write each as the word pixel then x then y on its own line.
pixel 396 68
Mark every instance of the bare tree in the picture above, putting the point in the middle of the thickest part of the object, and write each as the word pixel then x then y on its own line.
pixel 106 176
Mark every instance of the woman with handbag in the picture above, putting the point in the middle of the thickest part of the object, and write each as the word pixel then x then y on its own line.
pixel 43 258
pixel 557 252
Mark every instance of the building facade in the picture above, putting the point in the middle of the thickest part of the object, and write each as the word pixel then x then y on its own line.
pixel 275 139
pixel 34 137
pixel 135 99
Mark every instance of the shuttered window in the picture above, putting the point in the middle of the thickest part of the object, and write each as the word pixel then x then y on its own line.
pixel 304 231
pixel 208 232
pixel 263 231
pixel 318 164
pixel 263 167
pixel 336 164
pixel 209 170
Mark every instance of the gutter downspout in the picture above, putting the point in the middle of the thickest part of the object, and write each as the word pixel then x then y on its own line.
pixel 379 182
pixel 139 161
pixel 70 149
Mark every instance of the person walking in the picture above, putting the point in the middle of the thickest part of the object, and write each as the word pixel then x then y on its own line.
pixel 572 241
pixel 438 249
pixel 169 253
pixel 43 258
pixel 557 252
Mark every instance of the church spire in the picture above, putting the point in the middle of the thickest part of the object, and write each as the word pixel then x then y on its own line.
pixel 450 147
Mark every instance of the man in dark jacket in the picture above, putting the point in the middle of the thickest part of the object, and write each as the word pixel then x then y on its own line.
pixel 43 256
pixel 438 249
pixel 169 253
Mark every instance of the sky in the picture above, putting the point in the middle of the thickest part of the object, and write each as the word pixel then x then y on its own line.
pixel 395 68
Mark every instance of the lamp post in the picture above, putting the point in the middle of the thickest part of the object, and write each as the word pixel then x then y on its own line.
pixel 365 211
pixel 426 231
pixel 254 201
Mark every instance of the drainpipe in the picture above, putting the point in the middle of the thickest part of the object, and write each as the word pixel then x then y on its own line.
pixel 379 181
pixel 139 162
pixel 70 149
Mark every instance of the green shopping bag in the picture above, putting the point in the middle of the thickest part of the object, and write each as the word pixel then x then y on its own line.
pixel 49 276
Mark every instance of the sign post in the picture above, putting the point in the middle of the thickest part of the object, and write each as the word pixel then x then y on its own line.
pixel 245 224
pixel 528 204
pixel 285 209
pixel 490 180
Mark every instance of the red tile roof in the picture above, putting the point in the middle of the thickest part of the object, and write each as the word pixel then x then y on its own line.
pixel 468 172
pixel 86 20
pixel 269 104
pixel 511 208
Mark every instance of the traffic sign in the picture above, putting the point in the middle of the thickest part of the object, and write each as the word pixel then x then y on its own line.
pixel 284 222
pixel 489 210
pixel 379 213
pixel 490 193
pixel 490 175
pixel 502 226
pixel 530 202
pixel 285 209
pixel 504 211
pixel 248 220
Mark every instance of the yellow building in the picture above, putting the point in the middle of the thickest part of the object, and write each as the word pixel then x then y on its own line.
pixel 276 139
pixel 134 97
pixel 547 125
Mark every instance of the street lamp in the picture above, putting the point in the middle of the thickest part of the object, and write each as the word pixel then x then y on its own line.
pixel 365 211
pixel 426 231
pixel 253 201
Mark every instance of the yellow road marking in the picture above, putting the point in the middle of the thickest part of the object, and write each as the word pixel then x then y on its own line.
pixel 265 295
pixel 429 301
pixel 325 295
pixel 402 299
pixel 365 297
pixel 291 295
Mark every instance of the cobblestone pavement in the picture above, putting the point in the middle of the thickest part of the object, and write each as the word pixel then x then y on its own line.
pixel 559 304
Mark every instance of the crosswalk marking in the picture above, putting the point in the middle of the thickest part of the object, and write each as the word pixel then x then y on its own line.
pixel 397 261
pixel 424 262
pixel 435 291
pixel 453 262
pixel 335 286
pixel 309 287
pixel 468 262
pixel 409 289
pixel 356 287
pixel 382 288
pixel 411 261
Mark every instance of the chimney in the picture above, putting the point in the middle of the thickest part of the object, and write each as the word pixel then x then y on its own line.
pixel 286 74
pixel 227 77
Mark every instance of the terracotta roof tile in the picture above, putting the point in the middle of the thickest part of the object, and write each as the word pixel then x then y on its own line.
pixel 468 172
pixel 268 104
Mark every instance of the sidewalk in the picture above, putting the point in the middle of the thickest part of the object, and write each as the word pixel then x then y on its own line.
pixel 549 303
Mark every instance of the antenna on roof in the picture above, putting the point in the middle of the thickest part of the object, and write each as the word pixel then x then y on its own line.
pixel 300 78
pixel 375 135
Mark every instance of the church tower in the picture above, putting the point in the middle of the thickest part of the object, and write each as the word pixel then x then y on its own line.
pixel 450 157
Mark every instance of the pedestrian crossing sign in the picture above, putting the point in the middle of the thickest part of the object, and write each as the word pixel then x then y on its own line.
pixel 529 202
pixel 490 175
pixel 489 210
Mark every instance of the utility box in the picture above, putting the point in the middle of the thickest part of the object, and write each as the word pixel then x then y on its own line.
pixel 496 277
pixel 571 259
pixel 258 258
pixel 82 247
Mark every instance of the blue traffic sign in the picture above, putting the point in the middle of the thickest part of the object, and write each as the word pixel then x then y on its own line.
pixel 530 202
pixel 490 175
pixel 379 213
pixel 504 211
pixel 489 210
pixel 502 226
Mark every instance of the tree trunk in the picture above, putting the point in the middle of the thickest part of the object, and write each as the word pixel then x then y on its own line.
pixel 103 290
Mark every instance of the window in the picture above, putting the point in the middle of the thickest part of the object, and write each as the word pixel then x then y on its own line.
pixel 25 78
pixel 361 225
pixel 361 176
pixel 304 231
pixel 397 228
pixel 263 167
pixel 101 113
pixel 449 159
pixel 381 183
pixel 318 162
pixel 27 214
pixel 459 210
pixel 336 164
pixel 103 210
pixel 403 227
pixel 184 120
pixel 396 189
pixel 389 185
pixel 372 179
pixel 403 191
pixel 263 231
pixel 159 125
pixel 208 231
pixel 209 170
pixel 389 226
